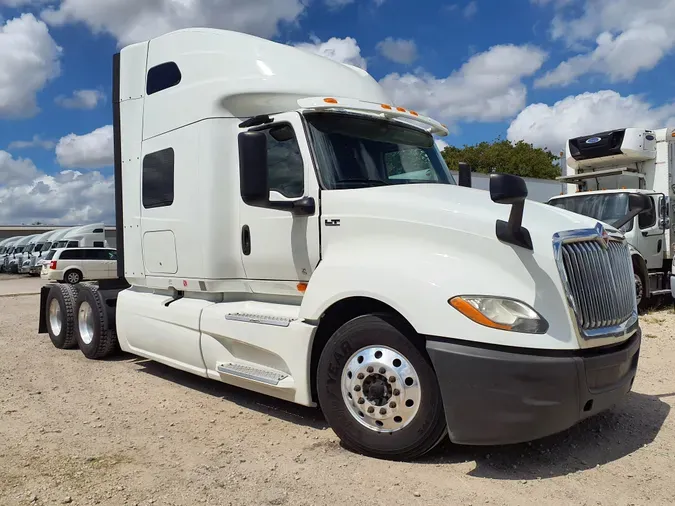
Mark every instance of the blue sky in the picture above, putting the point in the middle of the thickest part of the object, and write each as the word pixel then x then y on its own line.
pixel 538 70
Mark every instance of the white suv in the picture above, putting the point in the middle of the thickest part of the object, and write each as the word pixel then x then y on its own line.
pixel 73 265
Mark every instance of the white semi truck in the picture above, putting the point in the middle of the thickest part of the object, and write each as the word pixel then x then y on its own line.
pixel 33 252
pixel 15 258
pixel 283 227
pixel 607 168
pixel 86 236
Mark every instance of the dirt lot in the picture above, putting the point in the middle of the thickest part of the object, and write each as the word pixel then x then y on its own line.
pixel 129 431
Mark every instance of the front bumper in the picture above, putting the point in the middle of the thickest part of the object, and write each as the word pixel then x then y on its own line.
pixel 497 396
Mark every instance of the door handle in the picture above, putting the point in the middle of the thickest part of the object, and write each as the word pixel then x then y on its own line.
pixel 246 240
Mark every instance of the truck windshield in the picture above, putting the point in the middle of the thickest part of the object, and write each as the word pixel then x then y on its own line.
pixel 608 207
pixel 357 152
pixel 19 249
pixel 38 247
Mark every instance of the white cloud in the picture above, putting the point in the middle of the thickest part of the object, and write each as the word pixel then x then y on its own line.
pixel 488 87
pixel 90 151
pixel 81 99
pixel 15 171
pixel 398 50
pixel 21 3
pixel 337 4
pixel 133 21
pixel 441 144
pixel 344 50
pixel 470 10
pixel 550 126
pixel 67 198
pixel 35 142
pixel 625 38
pixel 29 58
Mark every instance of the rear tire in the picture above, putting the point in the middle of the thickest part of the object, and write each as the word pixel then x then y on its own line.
pixel 73 277
pixel 60 315
pixel 379 392
pixel 95 340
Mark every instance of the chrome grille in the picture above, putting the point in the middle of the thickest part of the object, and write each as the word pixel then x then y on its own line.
pixel 600 282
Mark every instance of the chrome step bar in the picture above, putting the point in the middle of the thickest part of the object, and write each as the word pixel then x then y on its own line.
pixel 278 321
pixel 267 376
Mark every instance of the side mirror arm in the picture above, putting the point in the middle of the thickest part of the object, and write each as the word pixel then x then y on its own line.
pixel 513 232
pixel 305 206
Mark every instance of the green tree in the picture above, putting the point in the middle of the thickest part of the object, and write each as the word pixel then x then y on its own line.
pixel 520 158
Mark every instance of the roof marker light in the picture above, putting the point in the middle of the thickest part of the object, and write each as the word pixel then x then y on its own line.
pixel 401 109
pixel 385 106
pixel 414 113
pixel 330 100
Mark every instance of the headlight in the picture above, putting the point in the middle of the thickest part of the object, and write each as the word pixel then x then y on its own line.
pixel 500 313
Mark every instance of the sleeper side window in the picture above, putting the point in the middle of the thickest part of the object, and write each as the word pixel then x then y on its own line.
pixel 284 162
pixel 158 179
pixel 162 77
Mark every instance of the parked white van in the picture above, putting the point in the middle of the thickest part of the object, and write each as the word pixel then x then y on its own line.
pixel 72 265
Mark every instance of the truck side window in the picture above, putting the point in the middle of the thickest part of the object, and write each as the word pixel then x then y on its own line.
pixel 158 170
pixel 163 76
pixel 284 162
pixel 648 218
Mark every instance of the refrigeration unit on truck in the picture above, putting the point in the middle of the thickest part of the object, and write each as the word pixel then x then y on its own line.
pixel 609 167
pixel 283 227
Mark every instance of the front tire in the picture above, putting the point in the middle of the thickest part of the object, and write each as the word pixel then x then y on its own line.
pixel 95 340
pixel 642 301
pixel 379 392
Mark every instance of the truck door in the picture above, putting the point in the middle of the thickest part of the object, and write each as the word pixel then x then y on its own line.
pixel 275 244
pixel 650 236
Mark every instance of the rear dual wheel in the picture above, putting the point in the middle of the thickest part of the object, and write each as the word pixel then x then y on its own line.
pixel 93 337
pixel 77 317
pixel 379 392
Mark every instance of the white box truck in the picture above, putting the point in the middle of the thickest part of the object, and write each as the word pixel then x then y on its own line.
pixel 283 227
pixel 607 168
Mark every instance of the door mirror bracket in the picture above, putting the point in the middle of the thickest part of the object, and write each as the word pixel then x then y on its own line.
pixel 510 189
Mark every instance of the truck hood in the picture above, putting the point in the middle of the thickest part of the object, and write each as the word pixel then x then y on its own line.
pixel 465 210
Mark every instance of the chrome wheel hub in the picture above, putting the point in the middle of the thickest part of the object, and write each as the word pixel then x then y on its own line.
pixel 381 389
pixel 85 323
pixel 55 321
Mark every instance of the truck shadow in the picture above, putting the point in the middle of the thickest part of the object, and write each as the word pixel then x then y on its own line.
pixel 270 406
pixel 599 440
pixel 605 438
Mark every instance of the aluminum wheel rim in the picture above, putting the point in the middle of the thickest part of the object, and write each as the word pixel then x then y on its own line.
pixel 85 323
pixel 73 277
pixel 381 389
pixel 55 321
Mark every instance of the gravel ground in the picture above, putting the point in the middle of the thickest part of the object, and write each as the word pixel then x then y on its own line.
pixel 132 432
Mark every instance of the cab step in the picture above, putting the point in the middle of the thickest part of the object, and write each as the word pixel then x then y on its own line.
pixel 279 321
pixel 267 376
